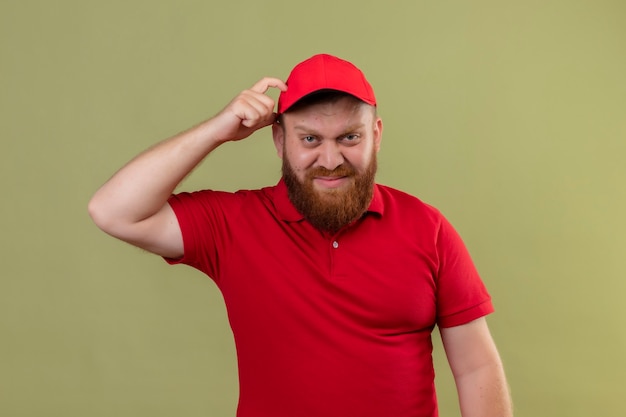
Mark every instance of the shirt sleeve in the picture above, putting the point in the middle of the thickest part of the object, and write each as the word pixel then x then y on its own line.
pixel 203 220
pixel 461 293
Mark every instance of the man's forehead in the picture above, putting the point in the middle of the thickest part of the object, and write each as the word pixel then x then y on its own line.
pixel 348 126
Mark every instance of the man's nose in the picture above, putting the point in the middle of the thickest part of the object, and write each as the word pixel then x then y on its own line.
pixel 330 156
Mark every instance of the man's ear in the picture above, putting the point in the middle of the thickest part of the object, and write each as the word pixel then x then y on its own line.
pixel 378 133
pixel 278 133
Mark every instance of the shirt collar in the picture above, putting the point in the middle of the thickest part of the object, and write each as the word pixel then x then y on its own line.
pixel 287 211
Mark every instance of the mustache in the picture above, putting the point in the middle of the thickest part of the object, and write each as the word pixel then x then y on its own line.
pixel 343 170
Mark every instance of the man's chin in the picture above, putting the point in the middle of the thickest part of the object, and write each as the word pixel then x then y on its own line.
pixel 331 195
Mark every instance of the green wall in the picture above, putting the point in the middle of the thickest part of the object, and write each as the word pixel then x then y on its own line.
pixel 508 116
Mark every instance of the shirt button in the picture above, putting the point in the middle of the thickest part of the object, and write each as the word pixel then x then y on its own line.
pixel 335 244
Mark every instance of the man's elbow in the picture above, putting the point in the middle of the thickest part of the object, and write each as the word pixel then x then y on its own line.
pixel 101 215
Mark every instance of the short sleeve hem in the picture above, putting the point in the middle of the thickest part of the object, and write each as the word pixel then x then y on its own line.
pixel 465 316
pixel 186 231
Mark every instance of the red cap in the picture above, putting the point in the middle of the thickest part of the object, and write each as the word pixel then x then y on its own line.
pixel 325 72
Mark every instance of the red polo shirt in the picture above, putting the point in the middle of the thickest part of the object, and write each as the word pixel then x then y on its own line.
pixel 332 325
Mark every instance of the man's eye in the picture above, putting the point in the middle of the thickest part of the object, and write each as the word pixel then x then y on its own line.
pixel 309 139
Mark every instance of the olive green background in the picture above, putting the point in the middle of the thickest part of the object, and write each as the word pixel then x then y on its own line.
pixel 507 116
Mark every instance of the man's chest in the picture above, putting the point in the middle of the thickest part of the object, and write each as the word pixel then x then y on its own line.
pixel 382 282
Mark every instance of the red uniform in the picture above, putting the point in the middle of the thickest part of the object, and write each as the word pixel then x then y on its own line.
pixel 332 325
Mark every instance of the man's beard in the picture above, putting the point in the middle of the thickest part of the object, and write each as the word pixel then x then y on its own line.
pixel 331 209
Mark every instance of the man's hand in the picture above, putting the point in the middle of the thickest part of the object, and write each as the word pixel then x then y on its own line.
pixel 250 111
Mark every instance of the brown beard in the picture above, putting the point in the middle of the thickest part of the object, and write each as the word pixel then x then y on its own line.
pixel 330 210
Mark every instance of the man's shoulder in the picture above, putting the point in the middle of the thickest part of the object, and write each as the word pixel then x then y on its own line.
pixel 242 193
pixel 395 198
pixel 221 200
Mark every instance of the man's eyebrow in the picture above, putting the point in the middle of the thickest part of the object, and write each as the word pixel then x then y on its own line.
pixel 352 128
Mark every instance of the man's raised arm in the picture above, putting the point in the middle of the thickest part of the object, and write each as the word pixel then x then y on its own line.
pixel 132 205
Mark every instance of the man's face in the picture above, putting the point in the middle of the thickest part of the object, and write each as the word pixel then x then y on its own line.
pixel 329 160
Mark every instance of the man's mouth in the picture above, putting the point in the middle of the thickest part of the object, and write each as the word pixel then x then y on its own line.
pixel 331 181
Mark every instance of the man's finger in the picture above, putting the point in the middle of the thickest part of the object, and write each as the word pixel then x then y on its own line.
pixel 260 123
pixel 266 83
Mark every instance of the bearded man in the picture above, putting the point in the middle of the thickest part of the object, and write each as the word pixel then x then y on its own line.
pixel 332 283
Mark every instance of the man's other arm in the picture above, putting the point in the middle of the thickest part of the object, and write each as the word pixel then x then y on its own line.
pixel 477 370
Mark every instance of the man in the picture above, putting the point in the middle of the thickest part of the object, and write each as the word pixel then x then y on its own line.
pixel 332 283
